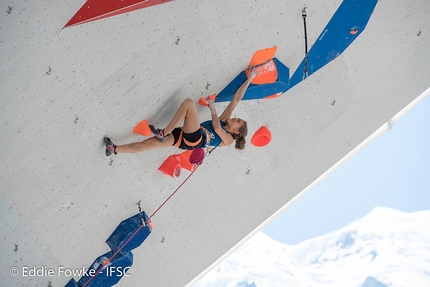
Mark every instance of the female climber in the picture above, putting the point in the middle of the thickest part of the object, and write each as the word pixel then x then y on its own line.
pixel 220 131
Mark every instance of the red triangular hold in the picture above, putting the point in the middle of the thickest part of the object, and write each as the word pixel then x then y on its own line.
pixel 98 9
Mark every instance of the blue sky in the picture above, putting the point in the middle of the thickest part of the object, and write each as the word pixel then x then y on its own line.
pixel 391 171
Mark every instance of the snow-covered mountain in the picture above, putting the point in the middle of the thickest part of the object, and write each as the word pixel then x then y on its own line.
pixel 385 248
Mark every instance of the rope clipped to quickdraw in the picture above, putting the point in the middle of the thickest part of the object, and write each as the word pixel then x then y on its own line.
pixel 305 68
pixel 138 229
pixel 140 212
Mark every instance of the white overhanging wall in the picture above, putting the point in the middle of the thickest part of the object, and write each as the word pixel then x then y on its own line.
pixel 62 90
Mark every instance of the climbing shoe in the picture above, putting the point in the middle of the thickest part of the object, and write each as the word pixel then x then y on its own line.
pixel 159 133
pixel 110 147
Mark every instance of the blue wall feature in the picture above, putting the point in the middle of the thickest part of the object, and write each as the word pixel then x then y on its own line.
pixel 352 15
pixel 129 235
pixel 72 283
pixel 109 274
pixel 135 229
pixel 336 36
pixel 257 91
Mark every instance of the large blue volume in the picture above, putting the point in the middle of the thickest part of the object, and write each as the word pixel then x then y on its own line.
pixel 347 23
pixel 130 233
pixel 109 268
pixel 108 272
pixel 257 91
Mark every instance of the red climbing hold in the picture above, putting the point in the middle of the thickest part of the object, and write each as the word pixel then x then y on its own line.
pixel 261 137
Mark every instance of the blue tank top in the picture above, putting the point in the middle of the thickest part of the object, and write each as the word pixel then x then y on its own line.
pixel 215 139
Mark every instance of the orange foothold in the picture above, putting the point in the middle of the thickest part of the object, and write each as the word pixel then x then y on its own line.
pixel 353 31
pixel 171 166
pixel 261 137
pixel 185 160
pixel 142 128
pixel 274 96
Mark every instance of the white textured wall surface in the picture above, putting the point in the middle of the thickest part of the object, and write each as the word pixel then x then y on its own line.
pixel 62 90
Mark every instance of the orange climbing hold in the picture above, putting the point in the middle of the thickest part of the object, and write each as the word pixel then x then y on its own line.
pixel 353 31
pixel 263 61
pixel 267 73
pixel 185 161
pixel 262 56
pixel 142 128
pixel 171 166
pixel 105 262
pixel 274 96
pixel 261 137
pixel 203 102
